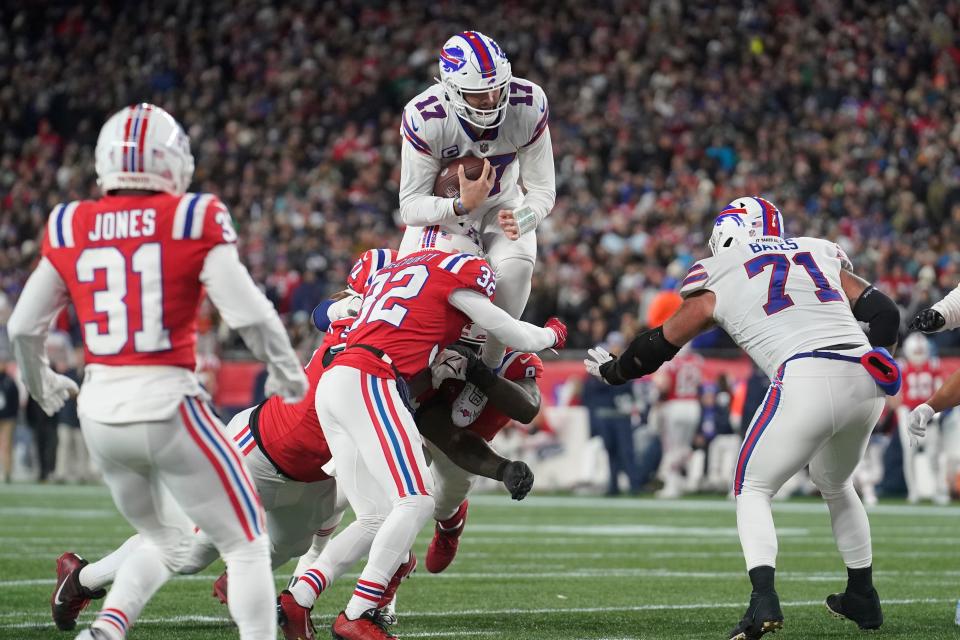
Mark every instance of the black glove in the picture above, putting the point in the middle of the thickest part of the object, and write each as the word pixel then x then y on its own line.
pixel 517 478
pixel 928 321
pixel 478 373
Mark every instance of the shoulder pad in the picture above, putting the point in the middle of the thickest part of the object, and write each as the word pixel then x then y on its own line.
pixel 60 226
pixel 203 216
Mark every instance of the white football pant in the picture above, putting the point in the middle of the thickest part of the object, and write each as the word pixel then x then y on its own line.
pixel 818 412
pixel 452 484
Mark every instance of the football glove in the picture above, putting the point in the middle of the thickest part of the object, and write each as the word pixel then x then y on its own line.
pixel 919 419
pixel 603 366
pixel 559 329
pixel 57 389
pixel 453 363
pixel 927 321
pixel 518 479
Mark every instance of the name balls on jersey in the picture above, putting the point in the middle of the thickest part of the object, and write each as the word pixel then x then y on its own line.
pixel 113 225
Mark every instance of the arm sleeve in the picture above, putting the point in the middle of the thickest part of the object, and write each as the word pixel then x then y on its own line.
pixel 538 176
pixel 418 206
pixel 520 335
pixel 42 298
pixel 949 308
pixel 244 308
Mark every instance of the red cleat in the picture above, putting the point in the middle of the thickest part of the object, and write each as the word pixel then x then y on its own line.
pixel 404 571
pixel 220 588
pixel 293 619
pixel 69 597
pixel 446 539
pixel 369 626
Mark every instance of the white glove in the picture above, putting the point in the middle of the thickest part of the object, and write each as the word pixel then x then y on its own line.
pixel 57 389
pixel 347 307
pixel 919 418
pixel 449 365
pixel 596 358
pixel 292 387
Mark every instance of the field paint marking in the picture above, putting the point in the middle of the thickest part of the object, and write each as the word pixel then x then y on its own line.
pixel 625 530
pixel 791 576
pixel 512 611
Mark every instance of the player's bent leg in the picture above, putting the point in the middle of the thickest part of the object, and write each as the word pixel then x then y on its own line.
pixel 228 511
pixel 452 485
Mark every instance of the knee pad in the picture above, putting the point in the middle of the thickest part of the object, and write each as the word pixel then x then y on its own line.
pixel 249 551
pixel 371 522
pixel 192 554
pixel 419 507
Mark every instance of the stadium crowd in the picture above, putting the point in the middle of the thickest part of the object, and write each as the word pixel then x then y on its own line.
pixel 844 114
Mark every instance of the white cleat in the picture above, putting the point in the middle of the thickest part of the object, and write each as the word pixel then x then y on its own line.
pixel 468 405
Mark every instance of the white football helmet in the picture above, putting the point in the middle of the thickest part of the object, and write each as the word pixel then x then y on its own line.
pixel 916 349
pixel 471 62
pixel 450 240
pixel 143 147
pixel 473 335
pixel 746 220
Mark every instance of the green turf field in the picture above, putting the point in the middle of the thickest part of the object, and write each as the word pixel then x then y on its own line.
pixel 550 567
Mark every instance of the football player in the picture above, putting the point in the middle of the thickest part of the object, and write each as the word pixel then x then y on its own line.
pixel 679 384
pixel 793 304
pixel 412 309
pixel 477 107
pixel 135 263
pixel 922 376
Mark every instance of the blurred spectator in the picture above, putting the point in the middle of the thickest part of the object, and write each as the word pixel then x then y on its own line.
pixel 715 441
pixel 44 437
pixel 72 460
pixel 9 408
pixel 757 385
pixel 843 114
pixel 610 408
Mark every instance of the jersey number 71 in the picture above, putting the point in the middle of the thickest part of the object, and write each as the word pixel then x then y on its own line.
pixel 777 297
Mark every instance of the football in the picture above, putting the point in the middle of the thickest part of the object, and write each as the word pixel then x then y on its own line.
pixel 447 184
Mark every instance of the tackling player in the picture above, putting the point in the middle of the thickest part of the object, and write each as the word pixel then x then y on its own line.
pixel 412 308
pixel 477 107
pixel 134 263
pixel 793 304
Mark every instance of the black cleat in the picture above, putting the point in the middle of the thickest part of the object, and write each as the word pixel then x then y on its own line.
pixel 762 616
pixel 864 609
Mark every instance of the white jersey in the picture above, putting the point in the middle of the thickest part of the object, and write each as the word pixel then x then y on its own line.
pixel 519 149
pixel 777 298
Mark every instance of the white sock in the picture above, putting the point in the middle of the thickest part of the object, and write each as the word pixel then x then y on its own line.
pixel 758 537
pixel 390 546
pixel 100 574
pixel 851 528
pixel 341 553
pixel 139 576
pixel 251 594
pixel 320 540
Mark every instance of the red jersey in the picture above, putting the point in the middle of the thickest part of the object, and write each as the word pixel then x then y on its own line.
pixel 684 374
pixel 515 366
pixel 367 266
pixel 132 266
pixel 919 382
pixel 291 432
pixel 406 311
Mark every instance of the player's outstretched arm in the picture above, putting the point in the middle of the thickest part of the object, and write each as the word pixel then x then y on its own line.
pixel 42 298
pixel 471 452
pixel 872 306
pixel 518 400
pixel 947 396
pixel 520 335
pixel 245 308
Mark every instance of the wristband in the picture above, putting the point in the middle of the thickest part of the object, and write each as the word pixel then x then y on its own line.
pixel 458 208
pixel 526 219
pixel 500 470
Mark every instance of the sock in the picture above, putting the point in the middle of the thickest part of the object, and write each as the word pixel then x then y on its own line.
pixel 860 580
pixel 320 540
pixel 762 579
pixel 251 594
pixel 454 522
pixel 758 537
pixel 141 573
pixel 391 544
pixel 341 553
pixel 100 574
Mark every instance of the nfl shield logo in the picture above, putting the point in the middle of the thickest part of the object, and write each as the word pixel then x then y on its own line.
pixel 484 147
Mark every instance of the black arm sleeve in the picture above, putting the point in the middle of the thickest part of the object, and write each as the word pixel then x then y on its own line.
pixel 881 313
pixel 643 356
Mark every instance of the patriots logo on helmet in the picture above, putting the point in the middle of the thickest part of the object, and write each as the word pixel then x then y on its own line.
pixel 452 58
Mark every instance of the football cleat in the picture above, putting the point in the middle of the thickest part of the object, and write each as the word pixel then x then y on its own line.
pixel 864 609
pixel 443 547
pixel 468 406
pixel 220 588
pixel 294 620
pixel 369 626
pixel 92 634
pixel 69 596
pixel 404 571
pixel 763 616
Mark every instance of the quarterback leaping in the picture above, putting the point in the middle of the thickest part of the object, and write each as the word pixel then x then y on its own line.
pixel 479 108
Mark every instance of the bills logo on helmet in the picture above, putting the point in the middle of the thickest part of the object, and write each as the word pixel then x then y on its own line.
pixel 452 58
